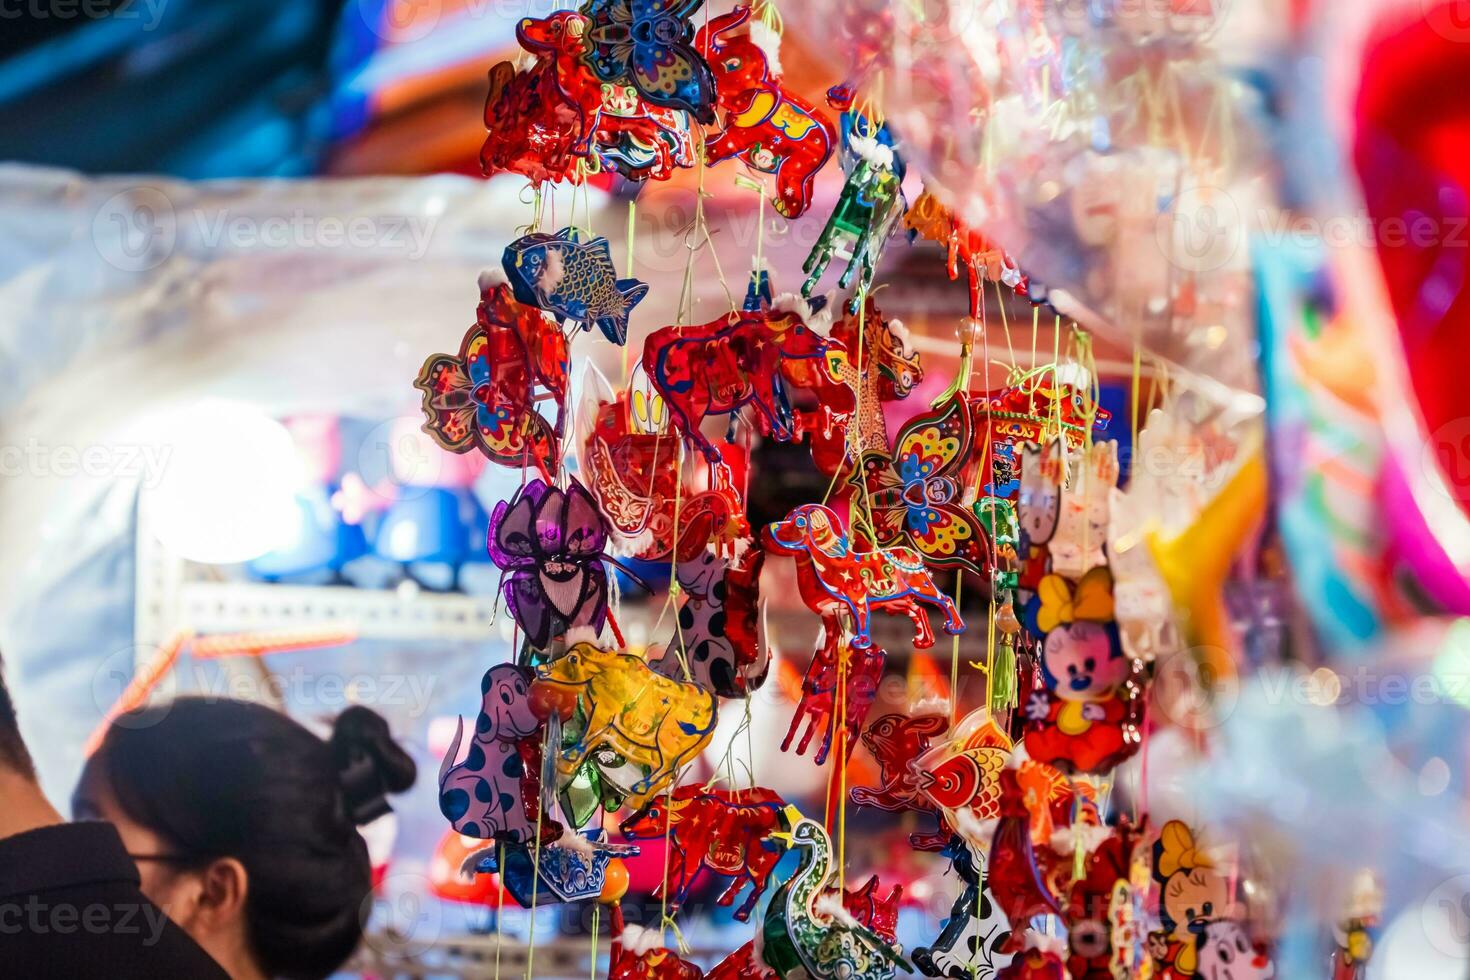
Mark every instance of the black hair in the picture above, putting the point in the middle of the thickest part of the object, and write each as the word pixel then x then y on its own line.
pixel 13 754
pixel 236 779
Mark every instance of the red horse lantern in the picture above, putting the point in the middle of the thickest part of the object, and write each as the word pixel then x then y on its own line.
pixel 819 692
pixel 766 125
pixel 718 368
pixel 722 830
pixel 835 578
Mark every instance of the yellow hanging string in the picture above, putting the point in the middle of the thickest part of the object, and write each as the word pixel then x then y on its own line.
pixel 596 916
pixel 500 904
pixel 628 347
pixel 535 873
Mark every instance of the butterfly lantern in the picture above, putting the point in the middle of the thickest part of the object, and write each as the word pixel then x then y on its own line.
pixel 1085 720
pixel 484 398
pixel 650 44
pixel 551 543
pixel 918 492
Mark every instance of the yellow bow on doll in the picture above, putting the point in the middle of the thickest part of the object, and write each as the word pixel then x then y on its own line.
pixel 1092 601
pixel 1178 851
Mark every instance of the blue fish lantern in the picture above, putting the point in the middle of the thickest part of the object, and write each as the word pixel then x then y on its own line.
pixel 574 280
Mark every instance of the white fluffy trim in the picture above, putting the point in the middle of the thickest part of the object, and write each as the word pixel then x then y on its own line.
pixel 1065 840
pixel 903 335
pixel 583 634
pixel 1044 942
pixel 570 840
pixel 627 547
pixel 638 940
pixel 819 323
pixel 876 154
pixel 769 42
pixel 932 705
pixel 492 277
pixel 830 905
pixel 973 829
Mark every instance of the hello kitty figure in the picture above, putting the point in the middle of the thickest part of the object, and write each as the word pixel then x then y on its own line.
pixel 1081 722
pixel 1039 507
pixel 1082 524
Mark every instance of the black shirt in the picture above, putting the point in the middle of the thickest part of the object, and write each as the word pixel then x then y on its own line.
pixel 70 908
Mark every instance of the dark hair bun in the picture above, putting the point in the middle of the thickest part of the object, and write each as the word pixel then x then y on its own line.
pixel 370 765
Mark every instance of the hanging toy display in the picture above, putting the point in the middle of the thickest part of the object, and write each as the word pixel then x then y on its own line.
pixel 1008 767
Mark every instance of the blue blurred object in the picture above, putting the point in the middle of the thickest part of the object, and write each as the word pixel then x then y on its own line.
pixel 323 543
pixel 432 524
pixel 193 88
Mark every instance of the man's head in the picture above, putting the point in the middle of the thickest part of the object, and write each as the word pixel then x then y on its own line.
pixel 13 754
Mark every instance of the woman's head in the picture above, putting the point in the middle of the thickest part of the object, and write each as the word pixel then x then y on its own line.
pixel 244 824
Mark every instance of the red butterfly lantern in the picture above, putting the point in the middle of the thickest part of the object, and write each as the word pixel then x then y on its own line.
pixel 636 477
pixel 485 396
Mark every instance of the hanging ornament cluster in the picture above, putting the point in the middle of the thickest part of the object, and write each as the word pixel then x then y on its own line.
pixel 1012 487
